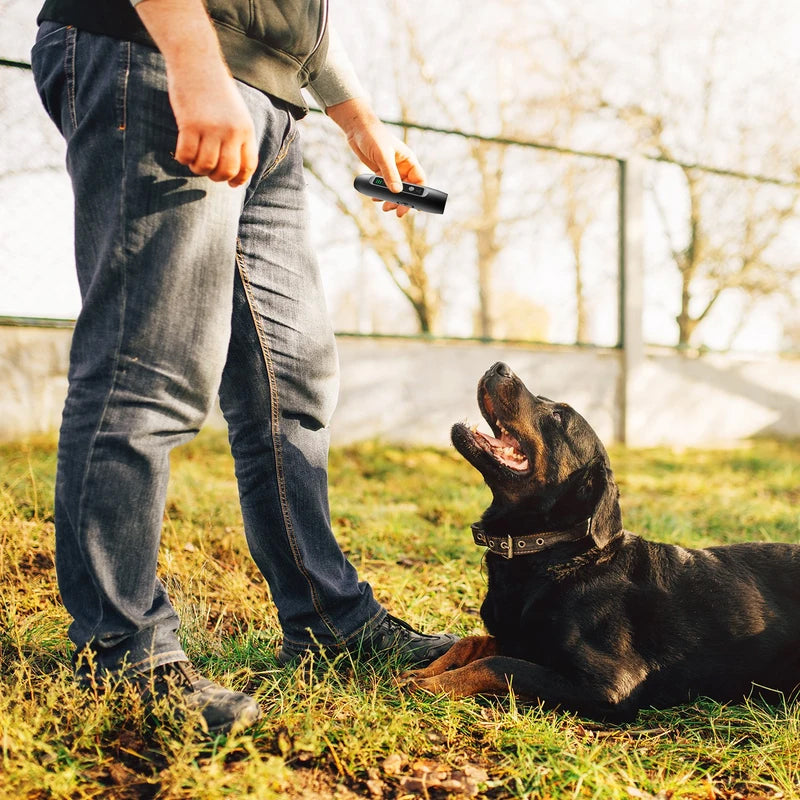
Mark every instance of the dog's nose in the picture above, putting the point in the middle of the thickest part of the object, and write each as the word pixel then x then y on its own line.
pixel 502 369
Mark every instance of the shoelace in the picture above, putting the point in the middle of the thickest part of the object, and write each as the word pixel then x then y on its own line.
pixel 400 629
pixel 183 671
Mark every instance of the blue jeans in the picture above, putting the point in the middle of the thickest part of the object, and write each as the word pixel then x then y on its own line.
pixel 190 288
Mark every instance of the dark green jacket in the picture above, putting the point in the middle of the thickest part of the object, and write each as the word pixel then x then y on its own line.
pixel 277 46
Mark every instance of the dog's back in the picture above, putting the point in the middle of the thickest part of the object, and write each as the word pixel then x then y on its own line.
pixel 657 624
pixel 716 621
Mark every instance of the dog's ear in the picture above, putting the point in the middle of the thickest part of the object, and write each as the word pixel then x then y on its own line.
pixel 607 516
pixel 592 492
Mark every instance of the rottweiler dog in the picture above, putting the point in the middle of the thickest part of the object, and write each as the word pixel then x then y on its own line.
pixel 588 617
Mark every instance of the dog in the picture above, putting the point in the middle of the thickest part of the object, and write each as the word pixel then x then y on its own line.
pixel 585 616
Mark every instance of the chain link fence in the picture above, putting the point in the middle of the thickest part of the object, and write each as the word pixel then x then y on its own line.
pixel 527 250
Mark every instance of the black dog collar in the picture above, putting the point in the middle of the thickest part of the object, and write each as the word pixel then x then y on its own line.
pixel 510 546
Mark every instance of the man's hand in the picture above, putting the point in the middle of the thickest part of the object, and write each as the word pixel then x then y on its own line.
pixel 215 130
pixel 216 136
pixel 377 148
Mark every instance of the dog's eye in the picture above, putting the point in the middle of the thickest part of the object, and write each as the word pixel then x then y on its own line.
pixel 557 416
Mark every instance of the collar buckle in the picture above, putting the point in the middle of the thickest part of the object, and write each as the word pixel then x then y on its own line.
pixel 478 536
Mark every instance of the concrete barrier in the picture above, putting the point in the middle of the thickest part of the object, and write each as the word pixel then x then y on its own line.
pixel 33 379
pixel 411 390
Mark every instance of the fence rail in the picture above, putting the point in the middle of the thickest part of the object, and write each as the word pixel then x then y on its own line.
pixel 552 148
pixel 629 212
pixel 634 364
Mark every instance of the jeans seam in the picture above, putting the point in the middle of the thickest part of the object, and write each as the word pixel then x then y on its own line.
pixel 276 443
pixel 122 87
pixel 283 151
pixel 69 71
pixel 378 615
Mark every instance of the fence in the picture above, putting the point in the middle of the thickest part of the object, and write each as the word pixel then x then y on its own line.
pixel 623 224
pixel 559 210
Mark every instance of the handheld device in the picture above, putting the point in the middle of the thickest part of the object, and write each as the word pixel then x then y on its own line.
pixel 423 198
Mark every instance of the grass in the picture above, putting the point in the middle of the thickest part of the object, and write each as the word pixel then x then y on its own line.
pixel 346 730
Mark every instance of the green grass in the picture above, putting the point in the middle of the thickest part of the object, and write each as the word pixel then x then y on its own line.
pixel 346 730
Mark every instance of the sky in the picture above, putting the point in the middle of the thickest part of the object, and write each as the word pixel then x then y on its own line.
pixel 36 272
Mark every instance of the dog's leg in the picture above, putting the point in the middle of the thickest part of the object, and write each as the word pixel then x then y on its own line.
pixel 475 677
pixel 463 652
pixel 497 675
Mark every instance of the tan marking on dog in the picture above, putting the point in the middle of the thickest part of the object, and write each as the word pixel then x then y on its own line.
pixel 475 678
pixel 539 466
pixel 463 652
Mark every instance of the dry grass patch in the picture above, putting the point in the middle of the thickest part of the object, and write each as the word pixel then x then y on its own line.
pixel 343 729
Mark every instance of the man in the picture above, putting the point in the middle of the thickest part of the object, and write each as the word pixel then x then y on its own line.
pixel 197 278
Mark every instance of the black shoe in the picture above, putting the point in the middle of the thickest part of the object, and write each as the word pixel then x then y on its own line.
pixel 222 710
pixel 390 638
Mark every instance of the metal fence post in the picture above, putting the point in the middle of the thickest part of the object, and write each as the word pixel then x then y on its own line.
pixel 631 285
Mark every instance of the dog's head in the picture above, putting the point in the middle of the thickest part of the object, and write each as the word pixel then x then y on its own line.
pixel 545 465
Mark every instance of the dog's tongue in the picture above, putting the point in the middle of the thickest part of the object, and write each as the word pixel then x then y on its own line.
pixel 505 440
pixel 491 439
pixel 505 449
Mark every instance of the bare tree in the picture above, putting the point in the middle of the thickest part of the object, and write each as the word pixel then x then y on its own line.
pixel 737 257
pixel 406 250
pixel 405 265
pixel 489 160
pixel 730 237
pixel 565 108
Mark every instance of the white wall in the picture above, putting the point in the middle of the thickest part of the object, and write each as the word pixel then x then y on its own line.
pixel 413 391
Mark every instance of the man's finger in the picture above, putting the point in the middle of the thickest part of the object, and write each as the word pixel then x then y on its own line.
pixel 389 172
pixel 230 164
pixel 411 170
pixel 207 158
pixel 229 161
pixel 249 163
pixel 186 146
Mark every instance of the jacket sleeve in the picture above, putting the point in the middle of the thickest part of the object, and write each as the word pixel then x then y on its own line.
pixel 337 80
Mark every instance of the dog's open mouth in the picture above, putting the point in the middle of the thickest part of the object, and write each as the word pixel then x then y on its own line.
pixel 506 450
pixel 503 447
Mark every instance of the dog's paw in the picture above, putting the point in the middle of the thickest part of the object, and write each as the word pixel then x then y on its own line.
pixel 412 674
pixel 414 681
pixel 433 684
pixel 408 680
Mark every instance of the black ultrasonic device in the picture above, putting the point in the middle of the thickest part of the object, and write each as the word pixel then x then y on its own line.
pixel 423 198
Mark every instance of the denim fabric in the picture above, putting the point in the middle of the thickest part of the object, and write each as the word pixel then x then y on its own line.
pixel 189 288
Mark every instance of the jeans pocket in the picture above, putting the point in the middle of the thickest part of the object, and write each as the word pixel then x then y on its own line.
pixel 46 31
pixel 48 64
